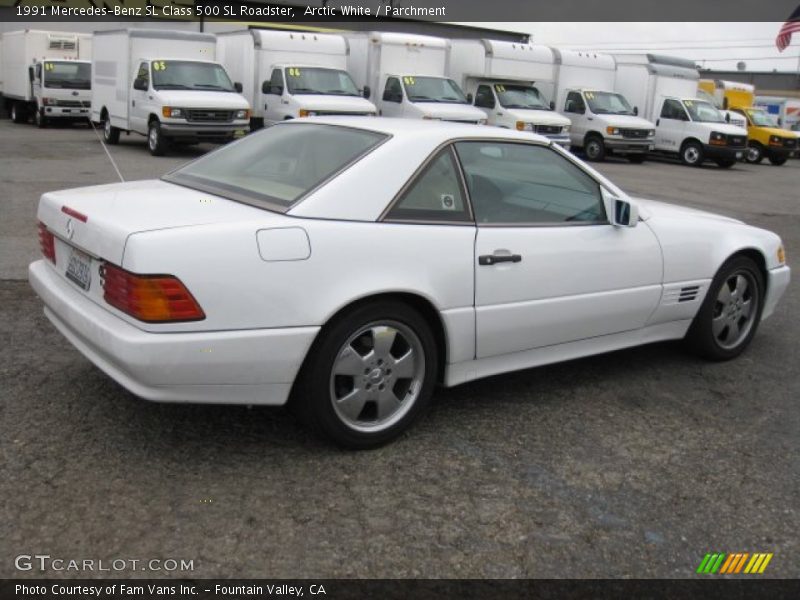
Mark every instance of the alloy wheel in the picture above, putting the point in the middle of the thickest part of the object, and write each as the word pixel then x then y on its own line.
pixel 735 309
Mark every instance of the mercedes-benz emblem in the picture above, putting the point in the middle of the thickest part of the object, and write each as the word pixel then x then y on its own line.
pixel 75 93
pixel 70 228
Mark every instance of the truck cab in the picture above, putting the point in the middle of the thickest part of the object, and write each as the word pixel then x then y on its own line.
pixel 696 131
pixel 603 122
pixel 62 90
pixel 520 106
pixel 427 97
pixel 765 138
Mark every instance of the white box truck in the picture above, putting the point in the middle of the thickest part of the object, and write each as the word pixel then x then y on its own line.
pixel 46 75
pixel 407 74
pixel 287 75
pixel 165 85
pixel 666 89
pixel 512 84
pixel 603 121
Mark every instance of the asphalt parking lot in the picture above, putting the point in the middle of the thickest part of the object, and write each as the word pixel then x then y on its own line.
pixel 631 464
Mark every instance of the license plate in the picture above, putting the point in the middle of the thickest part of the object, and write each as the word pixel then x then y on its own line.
pixel 79 269
pixel 739 155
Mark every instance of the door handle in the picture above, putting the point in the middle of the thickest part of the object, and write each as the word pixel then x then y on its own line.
pixel 487 260
pixel 133 102
pixel 658 122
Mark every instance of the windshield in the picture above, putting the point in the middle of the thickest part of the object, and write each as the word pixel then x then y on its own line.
pixel 73 75
pixel 761 118
pixel 311 80
pixel 190 75
pixel 277 166
pixel 608 103
pixel 520 96
pixel 433 89
pixel 703 112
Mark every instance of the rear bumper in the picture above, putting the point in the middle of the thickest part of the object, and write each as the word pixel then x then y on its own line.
pixel 724 152
pixel 205 131
pixel 229 367
pixel 625 146
pixel 777 282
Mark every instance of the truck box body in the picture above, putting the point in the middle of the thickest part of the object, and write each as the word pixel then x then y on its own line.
pixel 252 57
pixel 482 65
pixel 785 110
pixel 394 65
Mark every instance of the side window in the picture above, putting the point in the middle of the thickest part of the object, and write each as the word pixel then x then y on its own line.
pixel 672 109
pixel 484 97
pixel 525 184
pixel 574 103
pixel 143 74
pixel 393 91
pixel 276 82
pixel 435 194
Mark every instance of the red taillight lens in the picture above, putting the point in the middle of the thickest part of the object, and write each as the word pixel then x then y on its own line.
pixel 149 298
pixel 47 242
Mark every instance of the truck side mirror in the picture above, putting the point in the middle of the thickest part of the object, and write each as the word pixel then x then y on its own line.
pixel 469 98
pixel 552 105
pixel 366 92
pixel 636 111
pixel 727 117
pixel 238 87
pixel 266 88
pixel 140 84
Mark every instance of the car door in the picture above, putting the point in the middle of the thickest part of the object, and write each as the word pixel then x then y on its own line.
pixel 549 267
pixel 575 109
pixel 671 126
pixel 392 98
pixel 139 110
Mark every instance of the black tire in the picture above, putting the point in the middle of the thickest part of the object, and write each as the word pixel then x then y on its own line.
pixel 594 148
pixel 110 133
pixel 701 337
pixel 256 123
pixel 725 163
pixel 314 393
pixel 157 143
pixel 777 161
pixel 40 119
pixel 754 153
pixel 637 159
pixel 692 154
pixel 18 113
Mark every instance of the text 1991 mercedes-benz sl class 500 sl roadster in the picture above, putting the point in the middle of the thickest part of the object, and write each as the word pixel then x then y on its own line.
pixel 348 265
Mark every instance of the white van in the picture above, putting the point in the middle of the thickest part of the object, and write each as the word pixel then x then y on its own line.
pixel 406 73
pixel 46 75
pixel 165 85
pixel 686 126
pixel 511 83
pixel 603 121
pixel 286 75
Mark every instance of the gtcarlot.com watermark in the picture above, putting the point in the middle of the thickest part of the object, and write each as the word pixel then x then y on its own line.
pixel 46 563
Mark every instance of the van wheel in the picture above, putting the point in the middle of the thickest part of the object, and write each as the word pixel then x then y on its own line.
pixel 18 113
pixel 156 142
pixel 40 119
pixel 594 148
pixel 692 154
pixel 110 133
pixel 777 161
pixel 754 154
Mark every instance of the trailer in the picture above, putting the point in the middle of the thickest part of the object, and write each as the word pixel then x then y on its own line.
pixel 45 75
pixel 165 85
pixel 288 75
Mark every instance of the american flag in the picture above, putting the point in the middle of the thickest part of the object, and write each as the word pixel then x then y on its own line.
pixel 785 34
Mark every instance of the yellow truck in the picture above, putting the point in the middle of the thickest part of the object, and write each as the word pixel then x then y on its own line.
pixel 765 139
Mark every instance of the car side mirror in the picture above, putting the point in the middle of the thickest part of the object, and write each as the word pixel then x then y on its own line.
pixel 469 98
pixel 552 105
pixel 636 111
pixel 238 87
pixel 727 117
pixel 625 214
pixel 366 92
pixel 140 84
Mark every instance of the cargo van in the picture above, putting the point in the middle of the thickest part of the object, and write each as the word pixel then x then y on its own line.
pixel 666 91
pixel 46 75
pixel 287 75
pixel 603 121
pixel 165 85
pixel 407 75
pixel 512 83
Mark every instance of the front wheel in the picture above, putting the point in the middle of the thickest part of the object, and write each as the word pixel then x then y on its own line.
pixel 370 374
pixel 156 142
pixel 40 119
pixel 755 153
pixel 595 149
pixel 692 154
pixel 777 161
pixel 731 311
pixel 110 133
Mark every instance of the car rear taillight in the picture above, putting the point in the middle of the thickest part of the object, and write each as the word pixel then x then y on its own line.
pixel 149 298
pixel 47 242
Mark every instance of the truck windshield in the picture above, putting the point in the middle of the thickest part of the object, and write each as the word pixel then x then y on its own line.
pixel 62 74
pixel 608 103
pixel 312 80
pixel 761 118
pixel 520 96
pixel 190 75
pixel 433 89
pixel 703 112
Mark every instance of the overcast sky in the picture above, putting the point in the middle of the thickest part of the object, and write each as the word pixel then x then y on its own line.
pixel 721 45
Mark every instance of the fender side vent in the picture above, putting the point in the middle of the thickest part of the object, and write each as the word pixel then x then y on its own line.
pixel 688 293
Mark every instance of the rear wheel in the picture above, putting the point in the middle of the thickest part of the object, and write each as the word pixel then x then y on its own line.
pixel 594 148
pixel 156 142
pixel 725 163
pixel 755 153
pixel 692 154
pixel 731 311
pixel 370 374
pixel 777 161
pixel 110 133
pixel 18 113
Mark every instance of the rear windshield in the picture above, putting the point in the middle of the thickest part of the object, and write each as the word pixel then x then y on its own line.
pixel 277 166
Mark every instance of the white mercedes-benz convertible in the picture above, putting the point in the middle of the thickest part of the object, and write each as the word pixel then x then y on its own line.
pixel 348 265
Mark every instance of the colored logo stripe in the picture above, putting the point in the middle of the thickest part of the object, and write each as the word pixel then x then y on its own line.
pixel 710 563
pixel 734 563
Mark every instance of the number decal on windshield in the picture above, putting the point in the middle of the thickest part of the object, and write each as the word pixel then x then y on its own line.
pixel 294 72
pixel 159 65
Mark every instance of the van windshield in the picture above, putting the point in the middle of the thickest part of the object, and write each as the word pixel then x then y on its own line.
pixel 608 103
pixel 433 89
pixel 63 74
pixel 520 96
pixel 703 112
pixel 761 118
pixel 190 75
pixel 313 80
